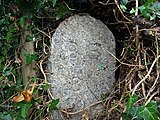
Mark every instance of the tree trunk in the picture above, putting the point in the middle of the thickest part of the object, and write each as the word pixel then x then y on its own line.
pixel 27 47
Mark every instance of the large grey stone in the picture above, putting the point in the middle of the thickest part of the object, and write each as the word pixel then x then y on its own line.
pixel 81 66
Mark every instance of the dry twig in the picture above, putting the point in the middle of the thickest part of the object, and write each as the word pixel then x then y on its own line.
pixel 133 92
pixel 121 11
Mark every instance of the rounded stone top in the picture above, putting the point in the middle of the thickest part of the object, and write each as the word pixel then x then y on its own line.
pixel 81 66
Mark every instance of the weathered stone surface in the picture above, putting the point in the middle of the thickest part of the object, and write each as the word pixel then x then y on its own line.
pixel 82 68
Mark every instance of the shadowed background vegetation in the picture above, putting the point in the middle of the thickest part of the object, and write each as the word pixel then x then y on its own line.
pixel 26 30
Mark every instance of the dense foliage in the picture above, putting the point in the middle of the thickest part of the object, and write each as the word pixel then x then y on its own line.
pixel 17 16
pixel 14 15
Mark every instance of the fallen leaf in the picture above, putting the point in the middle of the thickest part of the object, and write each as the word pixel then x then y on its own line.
pixel 25 95
pixel 12 18
pixel 18 98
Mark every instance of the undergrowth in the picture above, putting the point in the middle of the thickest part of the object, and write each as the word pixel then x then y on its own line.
pixel 136 92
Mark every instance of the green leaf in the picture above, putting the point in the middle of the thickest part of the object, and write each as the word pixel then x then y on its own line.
pixel 134 112
pixel 8 37
pixel 124 2
pixel 53 104
pixel 158 14
pixel 5 116
pixel 150 9
pixel 22 20
pixel 1 63
pixel 146 12
pixel 10 34
pixel 30 58
pixel 39 114
pixel 62 10
pixel 126 117
pixel 130 103
pixel 156 6
pixel 7 73
pixel 24 109
pixel 46 87
pixel 148 2
pixel 1 44
pixel 54 3
pixel 2 9
pixel 103 96
pixel 132 11
pixel 29 38
pixel 142 8
pixel 148 112
pixel 152 17
pixel 123 7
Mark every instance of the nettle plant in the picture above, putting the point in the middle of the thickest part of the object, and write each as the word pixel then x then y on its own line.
pixel 148 8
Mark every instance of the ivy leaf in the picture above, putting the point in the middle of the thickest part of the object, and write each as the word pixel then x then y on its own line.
pixel 130 103
pixel 126 117
pixel 8 117
pixel 123 7
pixel 29 38
pixel 62 10
pixel 124 2
pixel 53 104
pixel 24 109
pixel 9 35
pixel 30 58
pixel 4 116
pixel 156 6
pixel 46 87
pixel 142 8
pixel 7 72
pixel 1 61
pixel 148 2
pixel 54 3
pixel 146 12
pixel 1 10
pixel 21 22
pixel 149 111
pixel 152 17
pixel 132 11
pixel 150 9
pixel 134 112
